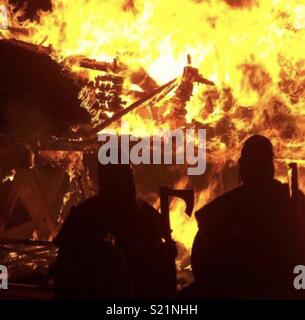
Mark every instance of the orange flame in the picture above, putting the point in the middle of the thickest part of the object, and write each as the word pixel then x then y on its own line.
pixel 254 54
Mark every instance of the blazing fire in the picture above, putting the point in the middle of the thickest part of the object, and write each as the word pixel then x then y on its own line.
pixel 252 50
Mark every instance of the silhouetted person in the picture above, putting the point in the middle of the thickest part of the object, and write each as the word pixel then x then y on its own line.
pixel 108 245
pixel 247 245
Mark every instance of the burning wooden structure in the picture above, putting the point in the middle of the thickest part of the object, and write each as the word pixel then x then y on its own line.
pixel 58 90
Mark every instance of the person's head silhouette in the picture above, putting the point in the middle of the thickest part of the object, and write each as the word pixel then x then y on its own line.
pixel 116 180
pixel 256 161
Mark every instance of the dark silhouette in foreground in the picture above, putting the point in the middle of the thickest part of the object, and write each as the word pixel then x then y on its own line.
pixel 110 246
pixel 248 242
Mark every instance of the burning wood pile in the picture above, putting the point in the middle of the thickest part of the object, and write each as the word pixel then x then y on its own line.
pixel 104 104
pixel 66 75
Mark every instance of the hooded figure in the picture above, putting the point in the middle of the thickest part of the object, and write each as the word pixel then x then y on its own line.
pixel 246 246
pixel 108 245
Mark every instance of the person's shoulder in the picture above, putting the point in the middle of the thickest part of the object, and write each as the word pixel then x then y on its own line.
pixel 281 187
pixel 152 218
pixel 87 205
pixel 147 208
pixel 83 210
pixel 224 201
pixel 90 201
pixel 79 220
pixel 150 215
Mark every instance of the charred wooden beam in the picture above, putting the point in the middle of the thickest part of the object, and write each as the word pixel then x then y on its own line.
pixel 85 145
pixel 165 89
pixel 30 46
pixel 19 30
pixel 89 141
pixel 97 65
pixel 79 60
pixel 143 80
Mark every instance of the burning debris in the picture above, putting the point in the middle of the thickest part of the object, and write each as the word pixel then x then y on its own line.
pixel 58 90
